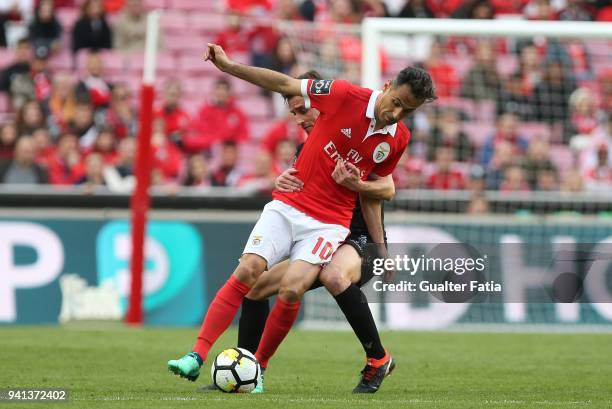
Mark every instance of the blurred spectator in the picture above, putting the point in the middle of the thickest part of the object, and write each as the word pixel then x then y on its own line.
pixel 513 100
pixel 553 92
pixel 261 179
pixel 482 81
pixel 227 174
pixel 328 61
pixel 444 176
pixel 448 133
pixel 43 147
pixel 166 156
pixel 284 155
pixel 514 180
pixel 538 161
pixel 8 138
pixel 374 8
pixel 344 12
pixel 2 30
pixel 415 9
pixel 29 118
pixel 283 59
pixel 17 10
pixel 477 181
pixel 93 87
pixel 573 181
pixel 91 30
pixel 45 29
pixel 61 104
pixel 530 68
pixel 113 6
pixel 585 117
pixel 94 172
pixel 218 120
pixel 478 205
pixel 83 124
pixel 605 13
pixel 474 9
pixel 503 157
pixel 120 177
pixel 120 115
pixel 175 118
pixel 577 10
pixel 18 72
pixel 443 74
pixel 288 10
pixel 41 74
pixel 130 28
pixel 234 38
pixel 547 180
pixel 197 172
pixel 65 167
pixel 507 131
pixel 22 169
pixel 599 176
pixel 605 86
pixel 286 129
pixel 540 10
pixel 105 146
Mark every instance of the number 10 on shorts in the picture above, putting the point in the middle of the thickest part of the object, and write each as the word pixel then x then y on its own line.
pixel 326 250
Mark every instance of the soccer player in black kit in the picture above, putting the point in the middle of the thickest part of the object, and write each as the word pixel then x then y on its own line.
pixel 366 241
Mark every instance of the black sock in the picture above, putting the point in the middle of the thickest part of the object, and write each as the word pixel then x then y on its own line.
pixel 354 305
pixel 251 324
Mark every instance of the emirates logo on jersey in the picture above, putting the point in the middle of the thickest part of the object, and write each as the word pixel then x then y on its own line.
pixel 381 152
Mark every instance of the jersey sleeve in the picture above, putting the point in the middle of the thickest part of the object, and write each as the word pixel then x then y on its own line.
pixel 324 95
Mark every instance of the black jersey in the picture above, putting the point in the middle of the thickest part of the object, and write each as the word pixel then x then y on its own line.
pixel 358 225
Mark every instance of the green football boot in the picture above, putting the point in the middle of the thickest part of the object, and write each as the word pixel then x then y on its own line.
pixel 187 367
pixel 259 388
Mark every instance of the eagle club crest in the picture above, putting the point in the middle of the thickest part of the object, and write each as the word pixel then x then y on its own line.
pixel 321 87
pixel 256 240
pixel 381 152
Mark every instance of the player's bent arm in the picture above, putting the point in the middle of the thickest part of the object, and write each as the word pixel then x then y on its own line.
pixel 371 209
pixel 378 188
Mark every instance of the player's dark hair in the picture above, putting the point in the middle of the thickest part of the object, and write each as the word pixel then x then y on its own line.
pixel 419 81
pixel 308 75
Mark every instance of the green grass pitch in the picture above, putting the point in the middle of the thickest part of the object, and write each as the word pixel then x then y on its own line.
pixel 116 367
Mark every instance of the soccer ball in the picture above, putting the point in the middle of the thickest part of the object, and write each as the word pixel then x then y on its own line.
pixel 236 370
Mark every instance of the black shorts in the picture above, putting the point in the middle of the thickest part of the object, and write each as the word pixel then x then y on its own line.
pixel 363 244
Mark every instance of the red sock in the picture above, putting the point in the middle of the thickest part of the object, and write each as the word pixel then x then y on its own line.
pixel 280 321
pixel 220 314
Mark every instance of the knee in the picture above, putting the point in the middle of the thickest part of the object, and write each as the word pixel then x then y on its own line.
pixel 334 280
pixel 290 293
pixel 257 292
pixel 249 270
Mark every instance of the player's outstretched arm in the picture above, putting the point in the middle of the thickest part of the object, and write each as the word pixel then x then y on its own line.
pixel 262 77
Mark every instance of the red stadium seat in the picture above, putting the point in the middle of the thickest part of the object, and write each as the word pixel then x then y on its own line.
pixel 562 156
pixel 185 43
pixel 466 106
pixel 113 61
pixel 165 63
pixel 155 4
pixel 206 22
pixel 6 57
pixel 195 64
pixel 190 5
pixel 174 21
pixel 62 61
pixel 259 127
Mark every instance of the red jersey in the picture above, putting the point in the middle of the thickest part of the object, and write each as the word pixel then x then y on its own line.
pixel 344 130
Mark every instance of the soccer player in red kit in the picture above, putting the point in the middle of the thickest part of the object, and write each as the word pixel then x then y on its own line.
pixel 359 129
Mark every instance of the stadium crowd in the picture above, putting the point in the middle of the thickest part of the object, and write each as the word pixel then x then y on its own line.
pixel 544 124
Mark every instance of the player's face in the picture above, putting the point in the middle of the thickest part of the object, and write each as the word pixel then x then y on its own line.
pixel 303 117
pixel 394 104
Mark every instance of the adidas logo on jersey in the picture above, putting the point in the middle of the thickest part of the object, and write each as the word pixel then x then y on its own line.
pixel 346 132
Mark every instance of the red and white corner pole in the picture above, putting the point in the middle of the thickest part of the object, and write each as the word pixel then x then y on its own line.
pixel 139 203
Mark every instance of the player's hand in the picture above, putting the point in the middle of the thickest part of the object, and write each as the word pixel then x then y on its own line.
pixel 215 54
pixel 347 175
pixel 286 182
